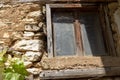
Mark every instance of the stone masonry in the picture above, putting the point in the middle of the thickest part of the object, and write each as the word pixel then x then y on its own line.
pixel 23 30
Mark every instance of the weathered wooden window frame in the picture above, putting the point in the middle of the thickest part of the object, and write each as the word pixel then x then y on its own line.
pixel 104 66
pixel 49 26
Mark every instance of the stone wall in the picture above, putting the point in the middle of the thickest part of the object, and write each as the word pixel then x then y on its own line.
pixel 23 30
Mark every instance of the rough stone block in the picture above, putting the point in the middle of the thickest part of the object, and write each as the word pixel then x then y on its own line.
pixel 2 24
pixel 34 71
pixel 28 34
pixel 32 56
pixel 28 64
pixel 34 14
pixel 28 45
pixel 6 35
pixel 31 27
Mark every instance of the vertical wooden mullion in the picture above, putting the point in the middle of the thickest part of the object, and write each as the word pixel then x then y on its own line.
pixel 102 19
pixel 109 32
pixel 78 36
pixel 49 31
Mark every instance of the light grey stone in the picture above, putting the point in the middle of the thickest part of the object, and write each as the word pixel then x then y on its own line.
pixel 32 56
pixel 28 45
pixel 17 54
pixel 31 27
pixel 28 64
pixel 41 24
pixel 2 24
pixel 34 71
pixel 1 5
pixel 28 34
pixel 34 14
pixel 30 20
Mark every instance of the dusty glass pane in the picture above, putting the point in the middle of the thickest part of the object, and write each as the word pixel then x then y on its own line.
pixel 64 38
pixel 92 34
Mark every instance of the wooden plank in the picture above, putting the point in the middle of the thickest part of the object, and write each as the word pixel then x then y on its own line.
pixel 49 31
pixel 80 62
pixel 79 0
pixel 71 5
pixel 72 0
pixel 52 1
pixel 109 32
pixel 78 37
pixel 80 73
pixel 105 37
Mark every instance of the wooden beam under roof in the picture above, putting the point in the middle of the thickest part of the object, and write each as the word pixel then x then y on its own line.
pixel 51 1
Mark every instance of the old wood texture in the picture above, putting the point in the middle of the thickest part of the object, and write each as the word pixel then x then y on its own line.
pixel 51 1
pixel 109 32
pixel 80 73
pixel 78 37
pixel 49 31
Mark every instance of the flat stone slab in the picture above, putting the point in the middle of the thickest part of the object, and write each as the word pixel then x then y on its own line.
pixel 28 45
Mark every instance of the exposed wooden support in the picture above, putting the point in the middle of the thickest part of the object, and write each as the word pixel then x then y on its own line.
pixel 79 0
pixel 80 73
pixel 51 1
pixel 49 31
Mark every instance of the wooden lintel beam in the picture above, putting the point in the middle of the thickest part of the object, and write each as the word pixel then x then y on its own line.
pixel 51 1
pixel 80 73
pixel 78 0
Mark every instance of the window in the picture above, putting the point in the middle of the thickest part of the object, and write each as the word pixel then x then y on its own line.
pixel 76 29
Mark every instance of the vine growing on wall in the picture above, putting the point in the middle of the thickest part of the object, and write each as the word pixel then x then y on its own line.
pixel 15 70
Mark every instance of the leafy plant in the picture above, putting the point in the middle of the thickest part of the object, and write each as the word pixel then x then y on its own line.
pixel 16 69
pixel 2 60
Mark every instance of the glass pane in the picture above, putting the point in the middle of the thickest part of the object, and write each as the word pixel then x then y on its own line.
pixel 64 38
pixel 91 34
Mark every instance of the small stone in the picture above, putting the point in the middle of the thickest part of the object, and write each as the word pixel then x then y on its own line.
pixel 17 54
pixel 28 64
pixel 34 71
pixel 33 56
pixel 6 35
pixel 1 42
pixel 31 27
pixel 41 24
pixel 1 5
pixel 34 14
pixel 29 20
pixel 28 45
pixel 37 65
pixel 28 34
pixel 2 24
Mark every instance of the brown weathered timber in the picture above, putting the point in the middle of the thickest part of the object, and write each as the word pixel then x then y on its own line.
pixel 80 73
pixel 49 31
pixel 78 37
pixel 50 1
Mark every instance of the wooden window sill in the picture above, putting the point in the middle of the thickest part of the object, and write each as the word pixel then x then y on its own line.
pixel 80 67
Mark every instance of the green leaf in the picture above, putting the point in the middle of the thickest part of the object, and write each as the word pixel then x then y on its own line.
pixel 13 76
pixel 19 67
pixel 2 53
pixel 8 70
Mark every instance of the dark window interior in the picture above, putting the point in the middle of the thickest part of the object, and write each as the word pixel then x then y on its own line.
pixel 77 32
